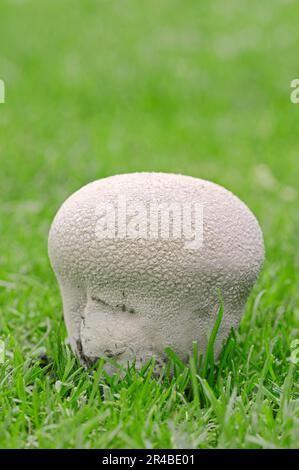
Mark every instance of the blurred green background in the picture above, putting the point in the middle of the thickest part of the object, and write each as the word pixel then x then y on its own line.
pixel 96 88
pixel 105 87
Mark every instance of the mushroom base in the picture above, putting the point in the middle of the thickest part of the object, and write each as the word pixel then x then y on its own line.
pixel 128 338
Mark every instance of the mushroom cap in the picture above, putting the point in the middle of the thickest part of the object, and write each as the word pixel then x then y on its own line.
pixel 129 297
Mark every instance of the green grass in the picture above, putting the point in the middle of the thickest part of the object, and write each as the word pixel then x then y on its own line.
pixel 99 88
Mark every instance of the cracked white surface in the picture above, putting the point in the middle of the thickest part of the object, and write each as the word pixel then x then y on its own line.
pixel 129 299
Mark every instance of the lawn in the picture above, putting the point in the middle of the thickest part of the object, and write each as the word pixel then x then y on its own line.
pixel 99 88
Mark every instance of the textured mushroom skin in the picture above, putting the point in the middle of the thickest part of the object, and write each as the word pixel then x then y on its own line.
pixel 129 299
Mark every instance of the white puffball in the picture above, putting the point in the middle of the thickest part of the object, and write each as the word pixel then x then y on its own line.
pixel 135 291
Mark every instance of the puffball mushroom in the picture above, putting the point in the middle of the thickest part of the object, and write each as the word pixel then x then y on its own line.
pixel 130 288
